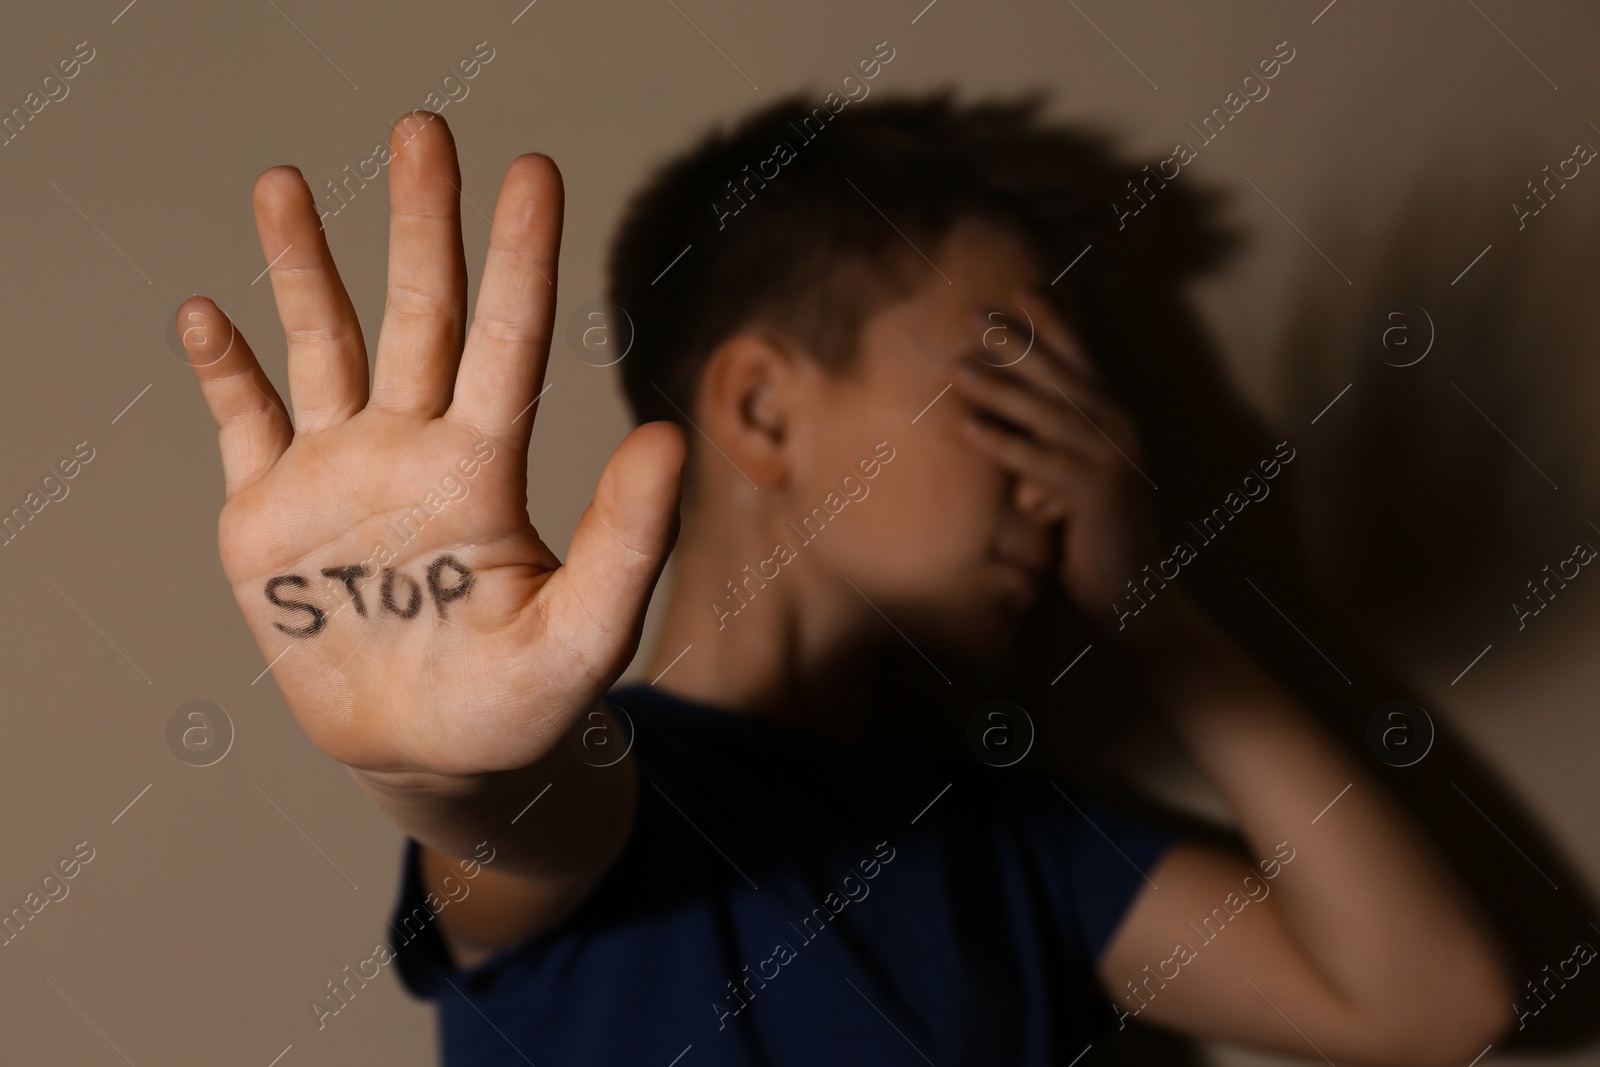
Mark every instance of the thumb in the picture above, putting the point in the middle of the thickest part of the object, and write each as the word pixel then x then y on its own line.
pixel 621 545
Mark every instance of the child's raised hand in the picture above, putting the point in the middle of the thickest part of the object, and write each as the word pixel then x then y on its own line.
pixel 380 547
pixel 1079 459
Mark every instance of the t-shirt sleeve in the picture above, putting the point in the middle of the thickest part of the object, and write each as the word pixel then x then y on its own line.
pixel 423 959
pixel 417 943
pixel 1108 856
pixel 420 953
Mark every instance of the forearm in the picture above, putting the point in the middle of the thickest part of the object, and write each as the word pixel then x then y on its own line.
pixel 1366 894
pixel 553 826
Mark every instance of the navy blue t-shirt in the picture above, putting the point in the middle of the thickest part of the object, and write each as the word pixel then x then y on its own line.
pixel 786 898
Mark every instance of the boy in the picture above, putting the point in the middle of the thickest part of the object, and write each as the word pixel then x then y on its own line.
pixel 773 854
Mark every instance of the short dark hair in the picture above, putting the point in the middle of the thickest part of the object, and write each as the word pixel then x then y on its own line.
pixel 717 242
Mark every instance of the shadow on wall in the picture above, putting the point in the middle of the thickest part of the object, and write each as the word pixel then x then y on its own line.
pixel 1436 521
pixel 1428 512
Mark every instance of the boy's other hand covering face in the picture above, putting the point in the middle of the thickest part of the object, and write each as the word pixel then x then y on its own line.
pixel 944 537
pixel 1050 418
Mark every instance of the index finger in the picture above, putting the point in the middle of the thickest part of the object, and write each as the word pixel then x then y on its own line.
pixel 1057 340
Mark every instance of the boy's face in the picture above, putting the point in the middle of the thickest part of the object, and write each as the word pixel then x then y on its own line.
pixel 940 541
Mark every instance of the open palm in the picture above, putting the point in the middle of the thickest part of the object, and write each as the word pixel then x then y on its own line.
pixel 379 545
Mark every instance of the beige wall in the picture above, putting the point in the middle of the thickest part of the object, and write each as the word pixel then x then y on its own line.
pixel 1391 149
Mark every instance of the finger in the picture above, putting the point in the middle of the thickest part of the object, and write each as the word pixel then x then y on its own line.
pixel 1046 417
pixel 1059 342
pixel 1087 395
pixel 1048 480
pixel 1110 423
pixel 1028 357
pixel 327 356
pixel 509 341
pixel 1061 470
pixel 619 549
pixel 425 312
pixel 1028 394
pixel 1005 340
pixel 253 427
pixel 1040 501
pixel 1046 366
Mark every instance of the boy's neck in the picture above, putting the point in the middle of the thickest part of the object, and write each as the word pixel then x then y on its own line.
pixel 804 654
pixel 755 649
pixel 748 631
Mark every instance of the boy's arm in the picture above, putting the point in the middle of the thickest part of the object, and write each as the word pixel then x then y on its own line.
pixel 1361 946
pixel 1365 947
pixel 379 545
pixel 544 859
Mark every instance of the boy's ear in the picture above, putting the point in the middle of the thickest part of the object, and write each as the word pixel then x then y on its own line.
pixel 747 397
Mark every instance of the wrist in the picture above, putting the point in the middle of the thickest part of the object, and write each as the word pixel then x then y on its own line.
pixel 416 785
pixel 561 755
pixel 1171 623
pixel 1193 664
pixel 446 776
